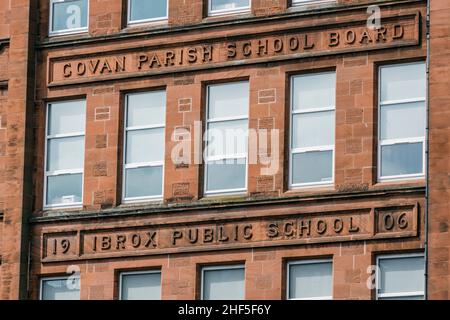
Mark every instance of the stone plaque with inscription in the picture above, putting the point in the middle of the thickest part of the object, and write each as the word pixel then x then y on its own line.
pixel 279 45
pixel 295 229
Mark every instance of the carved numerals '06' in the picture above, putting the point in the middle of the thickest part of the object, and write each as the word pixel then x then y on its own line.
pixel 391 221
pixel 61 246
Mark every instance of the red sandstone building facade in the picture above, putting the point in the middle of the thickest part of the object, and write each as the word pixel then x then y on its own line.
pixel 107 108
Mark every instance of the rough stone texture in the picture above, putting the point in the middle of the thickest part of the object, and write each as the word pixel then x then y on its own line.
pixel 439 166
pixel 16 151
pixel 22 158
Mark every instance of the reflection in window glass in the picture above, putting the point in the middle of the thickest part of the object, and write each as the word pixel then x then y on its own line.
pixel 144 145
pixel 226 174
pixel 227 135
pixel 68 15
pixel 401 159
pixel 60 288
pixel 302 164
pixel 402 121
pixel 142 182
pixel 64 189
pixel 145 10
pixel 310 280
pixel 303 2
pixel 401 277
pixel 140 285
pixel 223 283
pixel 65 153
pixel 313 129
pixel 222 6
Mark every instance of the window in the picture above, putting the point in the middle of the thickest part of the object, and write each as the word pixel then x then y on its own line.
pixel 145 11
pixel 303 2
pixel 68 16
pixel 310 280
pixel 313 125
pixel 62 288
pixel 217 7
pixel 64 153
pixel 140 285
pixel 401 277
pixel 144 145
pixel 402 119
pixel 227 135
pixel 223 283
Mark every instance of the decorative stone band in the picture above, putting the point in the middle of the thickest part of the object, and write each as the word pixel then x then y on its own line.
pixel 253 232
pixel 278 45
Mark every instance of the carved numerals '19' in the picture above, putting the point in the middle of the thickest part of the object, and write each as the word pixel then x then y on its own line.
pixel 61 246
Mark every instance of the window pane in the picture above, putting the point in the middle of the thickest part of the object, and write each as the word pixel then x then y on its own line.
pixel 310 280
pixel 145 9
pixel 145 146
pixel 65 153
pixel 227 174
pixel 143 182
pixel 403 82
pixel 401 159
pixel 66 117
pixel 227 284
pixel 228 100
pixel 146 109
pixel 313 129
pixel 228 4
pixel 70 14
pixel 303 1
pixel 399 275
pixel 227 137
pixel 403 121
pixel 61 289
pixel 403 298
pixel 310 167
pixel 64 189
pixel 314 91
pixel 141 286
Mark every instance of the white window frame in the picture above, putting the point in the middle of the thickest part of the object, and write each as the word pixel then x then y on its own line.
pixel 228 11
pixel 297 3
pixel 126 273
pixel 391 142
pixel 401 294
pixel 238 156
pixel 62 172
pixel 41 283
pixel 303 262
pixel 293 151
pixel 126 166
pixel 218 268
pixel 51 32
pixel 135 22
